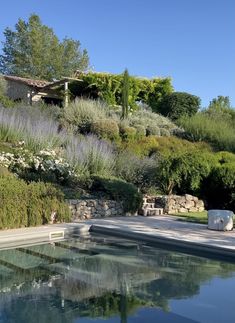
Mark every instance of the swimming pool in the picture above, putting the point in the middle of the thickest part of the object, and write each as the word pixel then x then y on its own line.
pixel 103 279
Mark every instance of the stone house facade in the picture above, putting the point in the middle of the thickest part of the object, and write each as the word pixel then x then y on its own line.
pixel 31 91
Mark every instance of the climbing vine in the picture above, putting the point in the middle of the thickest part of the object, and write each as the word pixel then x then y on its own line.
pixel 108 87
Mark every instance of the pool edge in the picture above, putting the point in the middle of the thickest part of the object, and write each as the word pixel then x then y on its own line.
pixel 165 242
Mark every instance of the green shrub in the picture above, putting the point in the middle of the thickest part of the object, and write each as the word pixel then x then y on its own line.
pixel 153 130
pixel 183 172
pixel 23 205
pixel 224 174
pixel 178 104
pixel 81 114
pixel 140 171
pixel 140 131
pixel 119 190
pixel 147 118
pixel 128 133
pixel 172 145
pixel 105 128
pixel 146 146
pixel 219 186
pixel 225 157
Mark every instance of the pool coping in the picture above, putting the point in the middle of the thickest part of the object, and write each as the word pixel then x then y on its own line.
pixel 13 238
pixel 171 243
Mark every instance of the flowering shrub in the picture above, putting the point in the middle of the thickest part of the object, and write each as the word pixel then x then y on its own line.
pixel 46 165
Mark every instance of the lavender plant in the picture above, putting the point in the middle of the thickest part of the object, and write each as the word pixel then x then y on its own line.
pixel 31 126
pixel 89 155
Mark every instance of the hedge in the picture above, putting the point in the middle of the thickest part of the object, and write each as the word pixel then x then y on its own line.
pixel 24 205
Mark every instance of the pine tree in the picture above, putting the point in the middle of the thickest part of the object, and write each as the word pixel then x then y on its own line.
pixel 33 50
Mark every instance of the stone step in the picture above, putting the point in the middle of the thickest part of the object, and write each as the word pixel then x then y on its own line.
pixel 148 205
pixel 152 211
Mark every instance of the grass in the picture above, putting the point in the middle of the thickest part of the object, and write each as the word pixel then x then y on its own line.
pixel 217 130
pixel 196 217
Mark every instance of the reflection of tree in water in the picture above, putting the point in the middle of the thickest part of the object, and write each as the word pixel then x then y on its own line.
pixel 49 309
pixel 104 285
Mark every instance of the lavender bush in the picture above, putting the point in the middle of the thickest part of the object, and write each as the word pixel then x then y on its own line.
pixel 89 155
pixel 31 126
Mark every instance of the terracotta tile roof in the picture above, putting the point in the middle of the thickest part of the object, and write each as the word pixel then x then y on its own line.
pixel 30 82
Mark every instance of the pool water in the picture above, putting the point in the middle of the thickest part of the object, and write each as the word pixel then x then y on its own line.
pixel 103 279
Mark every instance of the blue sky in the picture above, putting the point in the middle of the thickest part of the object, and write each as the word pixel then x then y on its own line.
pixel 192 41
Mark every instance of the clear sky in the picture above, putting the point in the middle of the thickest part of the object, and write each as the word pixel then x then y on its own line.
pixel 192 41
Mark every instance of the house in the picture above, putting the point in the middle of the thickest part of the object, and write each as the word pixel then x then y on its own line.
pixel 31 91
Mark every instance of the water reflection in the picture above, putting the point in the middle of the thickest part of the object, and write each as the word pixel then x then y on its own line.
pixel 100 278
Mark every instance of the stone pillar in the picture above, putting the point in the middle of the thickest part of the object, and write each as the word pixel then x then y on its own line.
pixel 66 94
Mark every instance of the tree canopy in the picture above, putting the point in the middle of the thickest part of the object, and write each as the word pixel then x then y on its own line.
pixel 33 50
pixel 220 103
pixel 178 104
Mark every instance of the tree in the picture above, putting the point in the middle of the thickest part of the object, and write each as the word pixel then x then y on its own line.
pixel 33 50
pixel 178 104
pixel 220 108
pixel 125 94
pixel 220 103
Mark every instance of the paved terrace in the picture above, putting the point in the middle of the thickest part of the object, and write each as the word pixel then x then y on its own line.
pixel 169 231
pixel 163 230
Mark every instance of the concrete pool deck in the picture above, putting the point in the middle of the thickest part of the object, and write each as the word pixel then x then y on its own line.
pixel 166 231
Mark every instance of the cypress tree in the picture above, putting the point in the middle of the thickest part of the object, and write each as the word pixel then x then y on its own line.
pixel 125 94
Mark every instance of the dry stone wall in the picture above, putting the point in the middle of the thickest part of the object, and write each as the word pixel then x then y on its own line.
pixel 95 208
pixel 172 204
pixel 153 205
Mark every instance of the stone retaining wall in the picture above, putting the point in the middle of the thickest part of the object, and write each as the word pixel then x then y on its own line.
pixel 172 204
pixel 101 208
pixel 94 208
